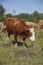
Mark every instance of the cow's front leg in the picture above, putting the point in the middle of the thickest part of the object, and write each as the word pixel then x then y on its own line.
pixel 23 41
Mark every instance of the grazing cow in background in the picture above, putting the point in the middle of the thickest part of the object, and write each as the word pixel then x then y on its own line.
pixel 1 27
pixel 31 24
pixel 40 28
pixel 40 24
pixel 17 27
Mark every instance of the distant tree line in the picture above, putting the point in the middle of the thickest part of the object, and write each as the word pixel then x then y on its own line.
pixel 35 16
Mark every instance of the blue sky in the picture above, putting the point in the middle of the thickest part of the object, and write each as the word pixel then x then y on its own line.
pixel 22 6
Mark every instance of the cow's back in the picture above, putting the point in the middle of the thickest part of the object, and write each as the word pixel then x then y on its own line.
pixel 15 24
pixel 9 23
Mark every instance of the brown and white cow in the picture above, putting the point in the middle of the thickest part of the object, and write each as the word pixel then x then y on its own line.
pixel 17 27
pixel 31 24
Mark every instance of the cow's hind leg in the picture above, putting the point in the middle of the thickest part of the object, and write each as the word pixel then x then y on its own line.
pixel 7 35
pixel 16 43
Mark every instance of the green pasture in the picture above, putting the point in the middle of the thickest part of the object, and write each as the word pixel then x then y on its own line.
pixel 9 55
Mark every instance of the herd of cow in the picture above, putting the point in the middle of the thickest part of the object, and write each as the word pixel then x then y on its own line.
pixel 18 28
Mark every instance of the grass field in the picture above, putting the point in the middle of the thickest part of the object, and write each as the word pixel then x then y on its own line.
pixel 9 55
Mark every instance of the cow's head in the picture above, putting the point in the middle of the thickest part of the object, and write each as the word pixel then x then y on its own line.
pixel 31 34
